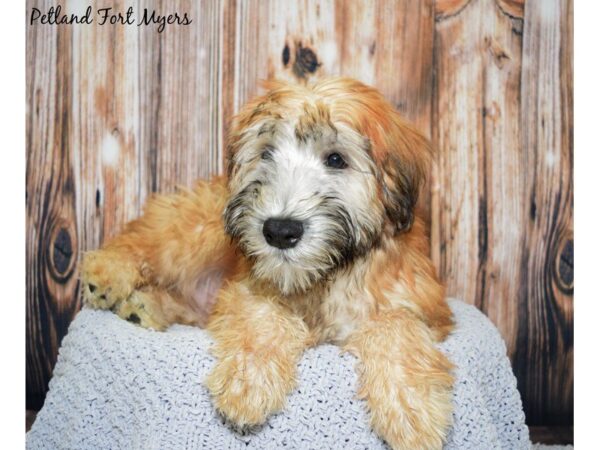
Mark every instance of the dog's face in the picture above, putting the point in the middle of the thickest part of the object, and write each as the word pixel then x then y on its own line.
pixel 317 176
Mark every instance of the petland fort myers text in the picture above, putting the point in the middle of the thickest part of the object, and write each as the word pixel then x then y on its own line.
pixel 109 16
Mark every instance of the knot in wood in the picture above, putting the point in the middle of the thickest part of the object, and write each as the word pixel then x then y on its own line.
pixel 61 254
pixel 306 61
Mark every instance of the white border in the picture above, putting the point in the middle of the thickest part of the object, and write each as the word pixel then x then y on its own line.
pixel 12 255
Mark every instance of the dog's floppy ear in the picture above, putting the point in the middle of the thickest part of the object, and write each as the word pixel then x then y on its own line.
pixel 403 166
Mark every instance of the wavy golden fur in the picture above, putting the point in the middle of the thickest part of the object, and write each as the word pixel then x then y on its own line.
pixel 337 158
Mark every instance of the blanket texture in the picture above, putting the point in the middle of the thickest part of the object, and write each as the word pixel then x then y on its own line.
pixel 118 386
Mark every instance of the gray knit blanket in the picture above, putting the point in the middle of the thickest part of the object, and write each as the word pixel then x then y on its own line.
pixel 118 386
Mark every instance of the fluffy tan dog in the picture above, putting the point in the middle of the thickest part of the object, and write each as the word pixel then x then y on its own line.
pixel 312 238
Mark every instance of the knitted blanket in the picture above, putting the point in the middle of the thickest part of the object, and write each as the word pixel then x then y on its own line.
pixel 118 386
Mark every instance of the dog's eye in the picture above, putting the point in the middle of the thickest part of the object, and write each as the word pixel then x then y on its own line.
pixel 335 161
pixel 267 152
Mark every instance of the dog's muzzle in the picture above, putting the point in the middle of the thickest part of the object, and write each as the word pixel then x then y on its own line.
pixel 283 233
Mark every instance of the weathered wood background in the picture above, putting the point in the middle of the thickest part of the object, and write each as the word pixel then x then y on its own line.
pixel 118 112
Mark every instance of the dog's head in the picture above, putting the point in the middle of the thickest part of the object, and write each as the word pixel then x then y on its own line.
pixel 317 176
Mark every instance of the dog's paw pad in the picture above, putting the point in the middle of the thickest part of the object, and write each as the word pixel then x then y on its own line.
pixel 140 308
pixel 134 318
pixel 94 297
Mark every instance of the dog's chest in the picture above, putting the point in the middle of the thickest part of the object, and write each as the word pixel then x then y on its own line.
pixel 341 309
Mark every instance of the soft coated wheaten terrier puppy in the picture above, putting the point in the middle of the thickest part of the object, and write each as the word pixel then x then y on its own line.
pixel 311 238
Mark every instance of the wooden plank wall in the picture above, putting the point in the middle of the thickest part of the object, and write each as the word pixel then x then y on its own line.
pixel 118 112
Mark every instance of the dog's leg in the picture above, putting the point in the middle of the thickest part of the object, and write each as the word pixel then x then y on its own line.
pixel 157 309
pixel 113 280
pixel 257 345
pixel 405 380
pixel 161 257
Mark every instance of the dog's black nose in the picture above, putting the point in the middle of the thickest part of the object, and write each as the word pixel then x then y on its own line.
pixel 283 233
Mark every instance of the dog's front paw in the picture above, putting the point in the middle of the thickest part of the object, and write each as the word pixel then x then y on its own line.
pixel 245 391
pixel 415 416
pixel 107 279
pixel 143 309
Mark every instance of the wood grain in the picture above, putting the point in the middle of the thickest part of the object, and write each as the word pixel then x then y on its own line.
pixel 478 192
pixel 180 97
pixel 106 119
pixel 297 42
pixel 502 196
pixel 543 362
pixel 52 241
pixel 116 113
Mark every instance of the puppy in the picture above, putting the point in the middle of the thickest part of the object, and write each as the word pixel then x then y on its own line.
pixel 313 237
